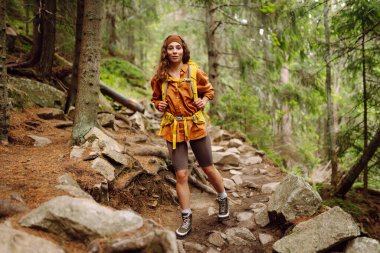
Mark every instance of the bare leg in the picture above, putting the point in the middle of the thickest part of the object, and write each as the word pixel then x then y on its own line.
pixel 182 188
pixel 214 178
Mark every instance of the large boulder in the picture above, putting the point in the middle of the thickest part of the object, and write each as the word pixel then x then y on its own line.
pixel 363 245
pixel 294 198
pixel 104 140
pixel 16 241
pixel 320 233
pixel 25 93
pixel 80 219
pixel 227 157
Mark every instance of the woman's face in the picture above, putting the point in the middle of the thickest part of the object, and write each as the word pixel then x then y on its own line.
pixel 175 52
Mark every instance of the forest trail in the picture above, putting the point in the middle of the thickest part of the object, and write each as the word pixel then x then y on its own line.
pixel 31 173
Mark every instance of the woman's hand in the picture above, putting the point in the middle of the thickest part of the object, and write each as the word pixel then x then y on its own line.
pixel 201 102
pixel 162 106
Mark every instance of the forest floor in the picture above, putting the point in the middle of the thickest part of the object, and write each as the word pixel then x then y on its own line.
pixel 31 173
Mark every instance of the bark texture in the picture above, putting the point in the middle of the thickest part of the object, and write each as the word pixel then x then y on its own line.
pixel 331 139
pixel 4 109
pixel 89 74
pixel 354 172
pixel 72 94
pixel 213 56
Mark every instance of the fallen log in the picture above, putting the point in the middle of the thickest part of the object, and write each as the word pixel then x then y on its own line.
pixel 127 102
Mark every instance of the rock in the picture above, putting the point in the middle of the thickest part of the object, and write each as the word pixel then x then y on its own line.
pixel 51 113
pixel 77 152
pixel 212 250
pixel 195 246
pixel 63 124
pixel 217 148
pixel 239 236
pixel 217 134
pixel 138 121
pixel 74 191
pixel 229 184
pixel 260 152
pixel 235 194
pixel 270 187
pixel 80 219
pixel 104 140
pixel 319 233
pixel 235 143
pixel 263 171
pixel 15 241
pixel 225 158
pixel 137 139
pixel 265 238
pixel 294 198
pixel 256 207
pixel 252 185
pixel 180 247
pixel 26 93
pixel 236 172
pixel 229 167
pixel 245 148
pixel 151 151
pixel 100 192
pixel 244 216
pixel 104 168
pixel 40 141
pixel 363 245
pixel 118 157
pixel 216 239
pixel 106 119
pixel 11 206
pixel 211 211
pixel 252 160
pixel 261 217
pixel 237 179
pixel 233 150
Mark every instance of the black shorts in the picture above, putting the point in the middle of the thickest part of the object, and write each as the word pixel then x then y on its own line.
pixel 201 149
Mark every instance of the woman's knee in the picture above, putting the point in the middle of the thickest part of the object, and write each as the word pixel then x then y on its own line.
pixel 182 176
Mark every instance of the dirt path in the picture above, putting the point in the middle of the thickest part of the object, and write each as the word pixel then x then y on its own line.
pixel 32 172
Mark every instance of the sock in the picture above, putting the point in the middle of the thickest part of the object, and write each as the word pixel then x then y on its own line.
pixel 222 195
pixel 186 211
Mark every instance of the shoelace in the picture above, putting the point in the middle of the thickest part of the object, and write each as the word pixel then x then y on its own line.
pixel 223 205
pixel 186 222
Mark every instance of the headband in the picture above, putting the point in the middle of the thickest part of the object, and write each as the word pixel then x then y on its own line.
pixel 173 38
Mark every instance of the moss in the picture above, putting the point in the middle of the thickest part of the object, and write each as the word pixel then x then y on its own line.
pixel 346 205
pixel 124 77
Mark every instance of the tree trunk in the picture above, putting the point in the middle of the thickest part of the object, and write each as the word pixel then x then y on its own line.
pixel 27 8
pixel 354 172
pixel 365 121
pixel 4 109
pixel 89 73
pixel 37 36
pixel 330 107
pixel 72 94
pixel 111 27
pixel 286 119
pixel 48 38
pixel 211 42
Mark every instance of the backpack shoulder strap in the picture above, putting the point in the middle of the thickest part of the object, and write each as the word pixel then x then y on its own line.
pixel 164 90
pixel 192 75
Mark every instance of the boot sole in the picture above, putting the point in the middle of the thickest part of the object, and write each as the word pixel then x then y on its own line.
pixel 183 236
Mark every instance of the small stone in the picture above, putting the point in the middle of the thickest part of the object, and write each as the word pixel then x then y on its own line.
pixel 216 239
pixel 270 187
pixel 235 194
pixel 235 143
pixel 76 152
pixel 211 211
pixel 229 184
pixel 262 218
pixel 217 148
pixel 265 238
pixel 244 216
pixel 236 172
pixel 40 141
pixel 256 207
pixel 237 179
pixel 252 160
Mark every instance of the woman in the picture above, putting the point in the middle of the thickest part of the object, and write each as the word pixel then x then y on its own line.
pixel 176 87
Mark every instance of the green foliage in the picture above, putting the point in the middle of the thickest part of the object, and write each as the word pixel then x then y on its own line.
pixel 346 205
pixel 123 77
pixel 241 113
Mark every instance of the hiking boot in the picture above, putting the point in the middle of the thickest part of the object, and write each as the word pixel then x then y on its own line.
pixel 185 227
pixel 224 213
